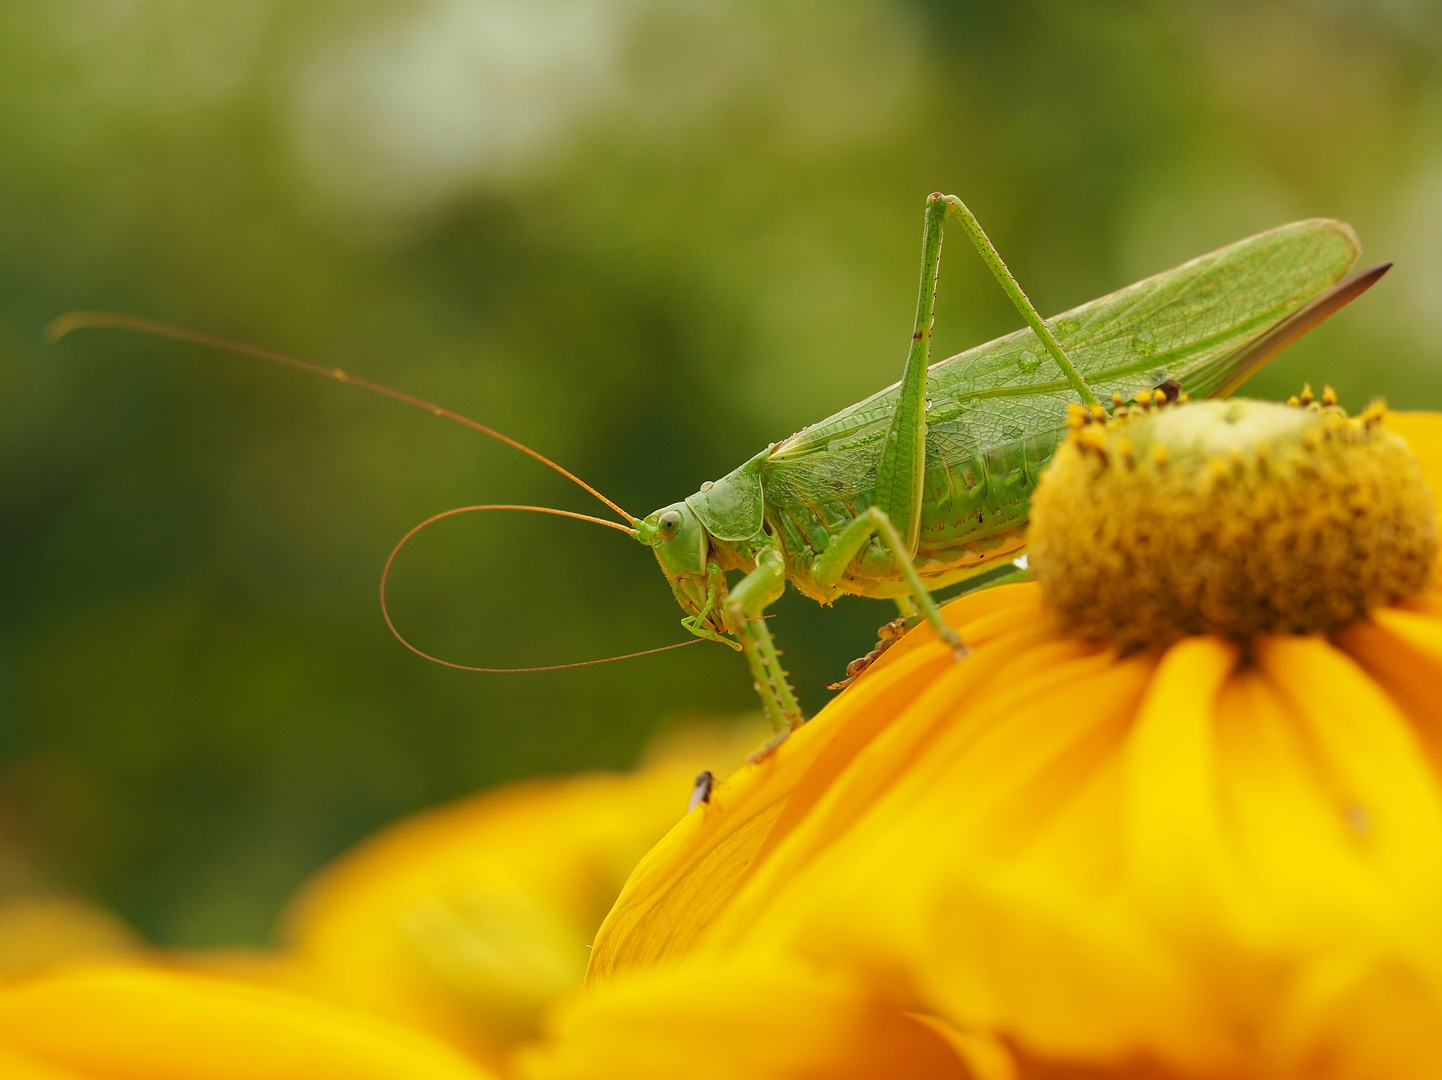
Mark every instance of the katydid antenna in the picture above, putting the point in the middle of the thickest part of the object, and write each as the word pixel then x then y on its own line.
pixel 110 320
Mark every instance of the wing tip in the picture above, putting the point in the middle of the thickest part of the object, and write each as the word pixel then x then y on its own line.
pixel 1350 235
pixel 1336 226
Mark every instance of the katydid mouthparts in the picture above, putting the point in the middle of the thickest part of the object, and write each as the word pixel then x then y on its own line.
pixel 927 483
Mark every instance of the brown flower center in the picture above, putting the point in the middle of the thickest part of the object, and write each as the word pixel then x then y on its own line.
pixel 1233 517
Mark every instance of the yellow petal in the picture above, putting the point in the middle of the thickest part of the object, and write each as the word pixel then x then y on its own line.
pixel 972 719
pixel 1385 803
pixel 469 920
pixel 744 1019
pixel 1180 862
pixel 1107 862
pixel 40 932
pixel 1402 649
pixel 1423 432
pixel 973 883
pixel 14 1066
pixel 676 891
pixel 141 1024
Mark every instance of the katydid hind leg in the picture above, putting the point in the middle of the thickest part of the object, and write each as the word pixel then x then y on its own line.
pixel 1013 290
pixel 901 468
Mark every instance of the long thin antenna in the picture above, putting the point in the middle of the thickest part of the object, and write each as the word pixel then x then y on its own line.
pixel 111 320
pixel 385 611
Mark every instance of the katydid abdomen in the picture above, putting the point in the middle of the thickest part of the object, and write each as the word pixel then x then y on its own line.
pixel 973 515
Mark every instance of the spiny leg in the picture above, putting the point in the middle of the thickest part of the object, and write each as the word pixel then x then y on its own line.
pixel 901 467
pixel 886 637
pixel 778 700
pixel 744 611
pixel 831 564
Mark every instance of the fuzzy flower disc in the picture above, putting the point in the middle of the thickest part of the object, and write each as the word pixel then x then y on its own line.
pixel 1238 518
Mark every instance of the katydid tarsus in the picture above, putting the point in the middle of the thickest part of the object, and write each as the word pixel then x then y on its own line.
pixel 927 483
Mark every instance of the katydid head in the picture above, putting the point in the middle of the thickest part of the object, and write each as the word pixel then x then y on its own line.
pixel 686 536
pixel 683 548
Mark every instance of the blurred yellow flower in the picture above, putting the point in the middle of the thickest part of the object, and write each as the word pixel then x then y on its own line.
pixel 462 924
pixel 468 921
pixel 40 931
pixel 1208 861
pixel 148 1024
pixel 742 1018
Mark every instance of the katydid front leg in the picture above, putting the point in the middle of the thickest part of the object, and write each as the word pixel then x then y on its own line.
pixel 744 612
pixel 698 624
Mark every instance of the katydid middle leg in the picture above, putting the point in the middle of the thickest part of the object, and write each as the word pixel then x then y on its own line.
pixel 831 564
pixel 745 609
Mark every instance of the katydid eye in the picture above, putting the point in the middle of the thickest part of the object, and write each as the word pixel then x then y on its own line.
pixel 668 523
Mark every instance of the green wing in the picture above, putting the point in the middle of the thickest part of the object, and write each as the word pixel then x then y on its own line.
pixel 1192 324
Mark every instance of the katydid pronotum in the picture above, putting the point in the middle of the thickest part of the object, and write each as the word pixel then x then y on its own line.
pixel 927 483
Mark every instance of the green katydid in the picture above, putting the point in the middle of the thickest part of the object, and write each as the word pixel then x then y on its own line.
pixel 927 483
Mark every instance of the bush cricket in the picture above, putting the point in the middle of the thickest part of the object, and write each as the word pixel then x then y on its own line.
pixel 927 482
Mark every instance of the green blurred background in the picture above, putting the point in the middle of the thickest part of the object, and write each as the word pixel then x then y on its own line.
pixel 645 236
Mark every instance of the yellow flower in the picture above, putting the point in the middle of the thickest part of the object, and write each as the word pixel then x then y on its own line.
pixel 742 1018
pixel 1208 861
pixel 147 1024
pixel 37 932
pixel 468 921
pixel 463 923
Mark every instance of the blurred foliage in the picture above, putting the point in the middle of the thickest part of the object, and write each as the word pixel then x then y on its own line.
pixel 645 236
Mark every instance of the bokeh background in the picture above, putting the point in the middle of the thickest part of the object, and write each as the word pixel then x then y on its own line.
pixel 645 236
